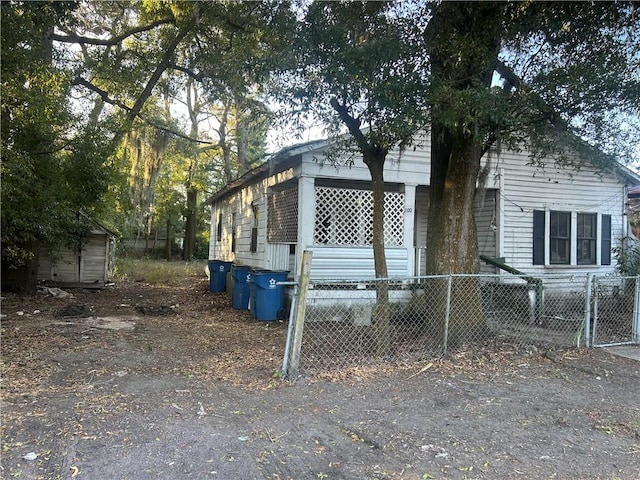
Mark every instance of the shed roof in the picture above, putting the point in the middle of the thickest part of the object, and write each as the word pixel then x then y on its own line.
pixel 98 224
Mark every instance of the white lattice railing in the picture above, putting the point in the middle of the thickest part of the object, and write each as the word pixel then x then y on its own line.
pixel 345 217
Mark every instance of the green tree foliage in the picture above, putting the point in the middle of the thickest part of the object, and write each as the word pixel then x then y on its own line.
pixel 52 164
pixel 141 60
pixel 569 77
pixel 569 74
pixel 79 79
pixel 353 68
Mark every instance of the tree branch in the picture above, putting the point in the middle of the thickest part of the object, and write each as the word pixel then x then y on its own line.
pixel 198 77
pixel 107 99
pixel 353 124
pixel 73 38
pixel 161 67
pixel 547 111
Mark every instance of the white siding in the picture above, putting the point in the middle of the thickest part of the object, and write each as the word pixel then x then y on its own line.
pixel 527 188
pixel 486 226
pixel 409 166
pixel 44 265
pixel 91 266
pixel 66 268
pixel 94 259
pixel 345 263
pixel 504 212
pixel 241 203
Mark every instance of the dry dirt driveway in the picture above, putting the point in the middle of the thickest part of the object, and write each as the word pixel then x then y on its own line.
pixel 147 382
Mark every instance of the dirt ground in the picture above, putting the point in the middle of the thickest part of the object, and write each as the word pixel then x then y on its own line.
pixel 148 382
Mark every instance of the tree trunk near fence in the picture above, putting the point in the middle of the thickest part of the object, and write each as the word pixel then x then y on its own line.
pixel 375 162
pixel 168 243
pixel 453 247
pixel 465 39
pixel 374 156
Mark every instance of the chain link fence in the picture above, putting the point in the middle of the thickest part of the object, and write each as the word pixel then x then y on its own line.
pixel 359 322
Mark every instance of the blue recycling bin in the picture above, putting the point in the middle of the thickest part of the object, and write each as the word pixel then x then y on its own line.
pixel 267 297
pixel 218 270
pixel 241 287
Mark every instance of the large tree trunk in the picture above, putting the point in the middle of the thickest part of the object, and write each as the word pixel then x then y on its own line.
pixel 465 40
pixel 452 236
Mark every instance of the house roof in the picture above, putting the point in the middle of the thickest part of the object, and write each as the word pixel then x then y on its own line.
pixel 274 163
pixel 289 156
pixel 632 178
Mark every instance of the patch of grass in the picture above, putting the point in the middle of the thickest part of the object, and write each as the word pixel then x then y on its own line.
pixel 157 272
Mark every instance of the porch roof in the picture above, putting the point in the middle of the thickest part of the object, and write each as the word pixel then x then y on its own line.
pixel 274 163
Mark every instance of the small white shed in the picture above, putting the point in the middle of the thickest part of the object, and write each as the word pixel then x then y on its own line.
pixel 90 266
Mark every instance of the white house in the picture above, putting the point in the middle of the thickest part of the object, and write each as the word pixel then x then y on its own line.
pixel 537 220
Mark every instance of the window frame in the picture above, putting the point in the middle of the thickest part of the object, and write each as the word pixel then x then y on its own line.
pixel 600 241
pixel 234 219
pixel 560 237
pixel 591 240
pixel 219 228
pixel 255 213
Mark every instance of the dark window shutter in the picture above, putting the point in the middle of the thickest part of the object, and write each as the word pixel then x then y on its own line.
pixel 538 237
pixel 254 240
pixel 605 243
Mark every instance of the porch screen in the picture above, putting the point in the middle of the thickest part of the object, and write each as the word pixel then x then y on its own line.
pixel 282 216
pixel 345 217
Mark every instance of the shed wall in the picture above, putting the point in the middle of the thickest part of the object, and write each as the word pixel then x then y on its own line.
pixel 91 265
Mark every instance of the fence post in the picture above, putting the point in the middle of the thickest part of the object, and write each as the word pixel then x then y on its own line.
pixel 447 314
pixel 587 310
pixel 287 345
pixel 636 313
pixel 298 317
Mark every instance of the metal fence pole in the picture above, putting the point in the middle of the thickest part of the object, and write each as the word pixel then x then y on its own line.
pixel 301 306
pixel 447 315
pixel 587 310
pixel 635 335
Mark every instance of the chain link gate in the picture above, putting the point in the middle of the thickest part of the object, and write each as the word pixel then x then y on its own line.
pixel 615 311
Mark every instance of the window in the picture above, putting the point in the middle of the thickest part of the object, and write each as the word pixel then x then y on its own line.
pixel 586 236
pixel 560 238
pixel 219 228
pixel 233 232
pixel 570 238
pixel 254 230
